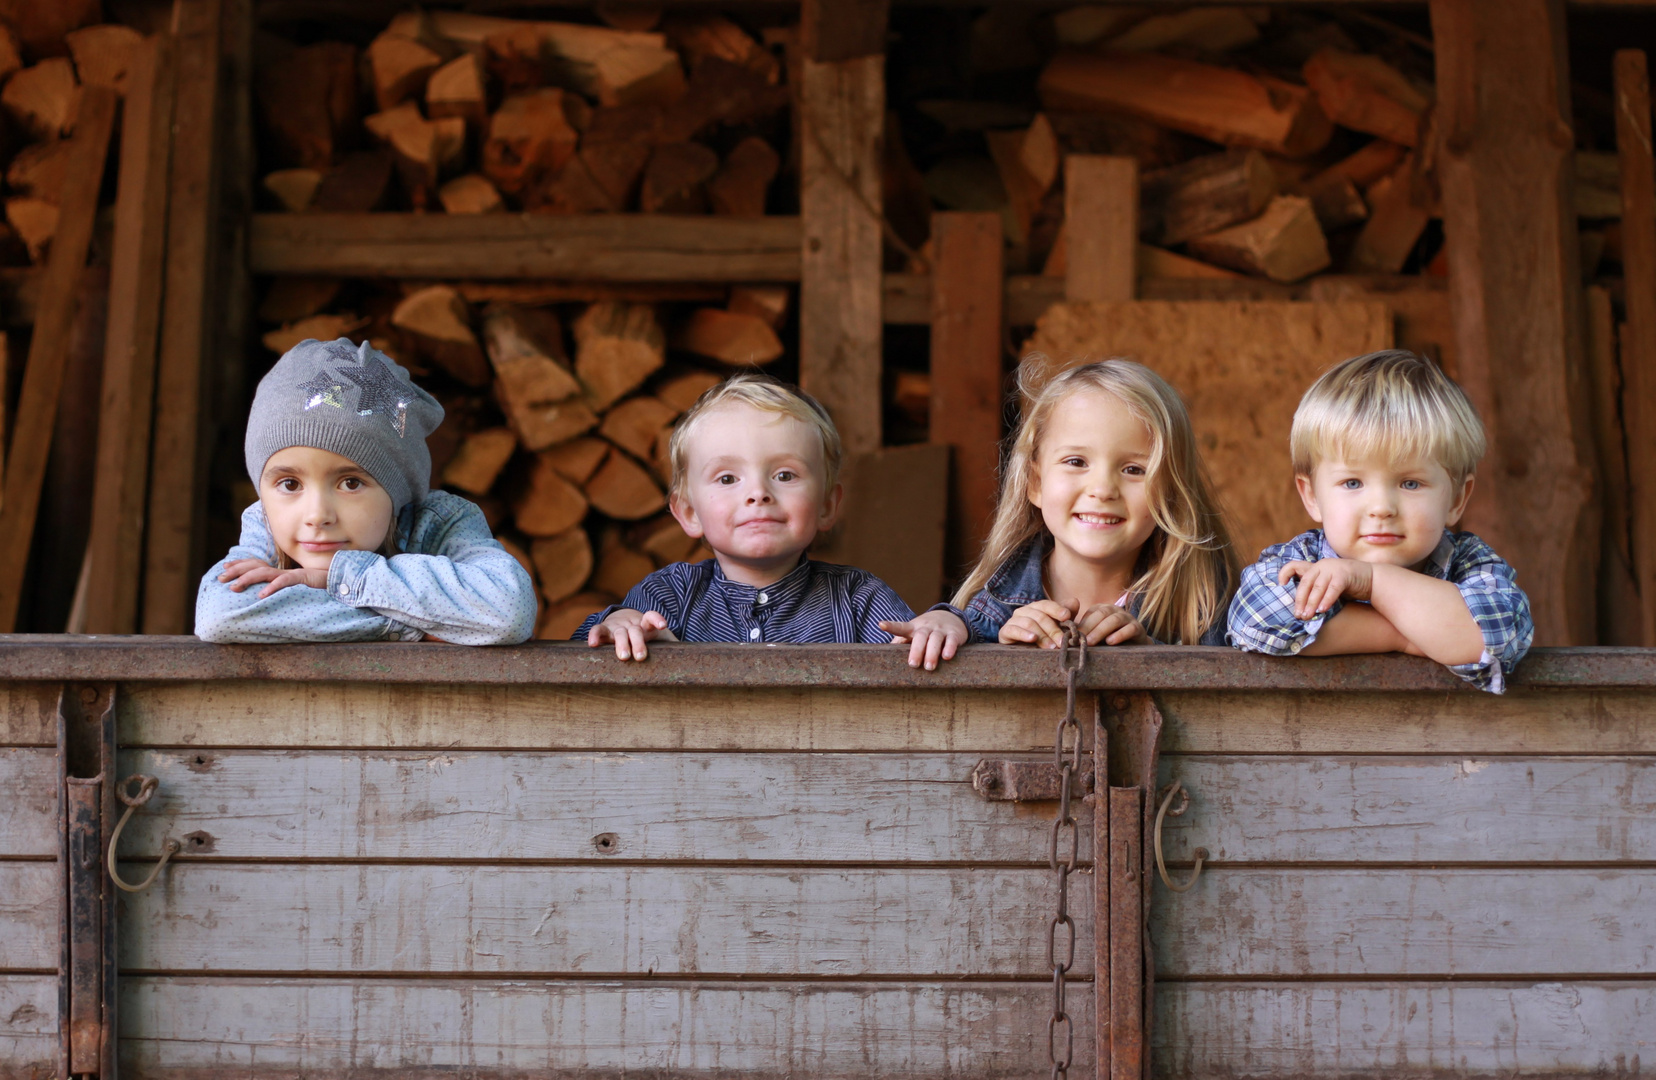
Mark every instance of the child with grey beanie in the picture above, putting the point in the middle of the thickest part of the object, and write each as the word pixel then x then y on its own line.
pixel 347 541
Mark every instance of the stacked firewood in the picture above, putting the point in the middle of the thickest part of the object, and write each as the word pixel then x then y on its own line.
pixel 449 111
pixel 564 448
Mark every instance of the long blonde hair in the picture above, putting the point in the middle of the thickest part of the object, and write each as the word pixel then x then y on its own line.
pixel 1187 568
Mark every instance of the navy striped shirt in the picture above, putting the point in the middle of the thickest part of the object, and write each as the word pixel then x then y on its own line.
pixel 816 604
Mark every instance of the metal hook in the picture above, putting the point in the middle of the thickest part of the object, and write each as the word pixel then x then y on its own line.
pixel 1175 788
pixel 147 786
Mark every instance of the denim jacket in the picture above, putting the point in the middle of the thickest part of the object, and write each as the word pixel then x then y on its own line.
pixel 455 582
pixel 1018 583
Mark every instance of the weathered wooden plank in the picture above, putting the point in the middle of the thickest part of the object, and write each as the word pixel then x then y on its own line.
pixel 28 713
pixel 1638 345
pixel 652 718
pixel 1376 924
pixel 1414 809
pixel 1334 1029
pixel 809 808
pixel 593 920
pixel 280 1027
pixel 28 916
pixel 1101 212
pixel 1293 722
pixel 28 1026
pixel 602 247
pixel 28 811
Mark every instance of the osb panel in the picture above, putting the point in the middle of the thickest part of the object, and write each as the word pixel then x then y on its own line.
pixel 1242 367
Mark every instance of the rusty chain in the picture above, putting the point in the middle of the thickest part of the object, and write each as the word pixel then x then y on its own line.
pixel 1066 752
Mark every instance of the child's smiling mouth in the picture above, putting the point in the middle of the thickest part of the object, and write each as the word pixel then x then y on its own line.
pixel 323 545
pixel 1099 521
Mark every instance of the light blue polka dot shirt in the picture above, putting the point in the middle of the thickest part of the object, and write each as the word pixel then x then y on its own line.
pixel 454 582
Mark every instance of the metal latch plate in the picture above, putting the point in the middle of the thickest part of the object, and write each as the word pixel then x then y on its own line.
pixel 1028 781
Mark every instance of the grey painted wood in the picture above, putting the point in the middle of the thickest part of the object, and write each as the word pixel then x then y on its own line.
pixel 597 921
pixel 1414 809
pixel 1409 923
pixel 449 716
pixel 28 714
pixel 1462 1030
pixel 28 1025
pixel 326 1027
pixel 28 915
pixel 28 808
pixel 1308 722
pixel 484 805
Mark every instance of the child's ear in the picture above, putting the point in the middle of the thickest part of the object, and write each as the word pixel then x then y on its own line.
pixel 685 514
pixel 1035 487
pixel 831 505
pixel 1308 497
pixel 1459 508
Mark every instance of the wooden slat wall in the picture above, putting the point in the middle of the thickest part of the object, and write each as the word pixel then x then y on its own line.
pixel 1368 849
pixel 30 882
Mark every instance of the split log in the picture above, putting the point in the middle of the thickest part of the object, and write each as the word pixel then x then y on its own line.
pixel 617 347
pixel 424 149
pixel 587 292
pixel 729 337
pixel 516 57
pixel 911 393
pixel 1040 154
pixel 357 185
pixel 599 179
pixel 1204 195
pixel 521 556
pixel 292 298
pixel 1078 26
pixel 477 464
pixel 470 194
pixel 1230 107
pixel 39 170
pixel 1597 190
pixel 43 98
pixel 43 24
pixel 675 179
pixel 1365 93
pixel 399 68
pixel 548 504
pixel 530 138
pixel 1336 201
pixel 1155 262
pixel 683 391
pixel 563 563
pixel 769 302
pixel 532 381
pixel 438 321
pixel 104 54
pixel 702 36
pixel 620 568
pixel 295 189
pixel 11 52
pixel 636 424
pixel 616 67
pixel 456 89
pixel 319 327
pixel 722 93
pixel 35 221
pixel 662 539
pixel 1365 167
pixel 577 459
pixel 1285 243
pixel 308 100
pixel 1023 194
pixel 743 181
pixel 1207 30
pixel 1151 145
pixel 560 622
pixel 631 15
pixel 1396 220
pixel 623 489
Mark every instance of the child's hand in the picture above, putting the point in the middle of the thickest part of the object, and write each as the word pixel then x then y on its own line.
pixel 930 636
pixel 244 572
pixel 1325 581
pixel 629 630
pixel 1111 625
pixel 1036 624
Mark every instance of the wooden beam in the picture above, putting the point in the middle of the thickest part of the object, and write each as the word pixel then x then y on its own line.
pixel 1619 610
pixel 48 350
pixel 1101 227
pixel 1507 174
pixel 840 327
pixel 1638 353
pixel 601 247
pixel 177 498
pixel 121 483
pixel 835 30
pixel 966 372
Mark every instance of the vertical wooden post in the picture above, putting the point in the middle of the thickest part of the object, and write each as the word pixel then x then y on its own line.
pixel 966 375
pixel 1126 933
pixel 1101 227
pixel 121 485
pixel 1638 354
pixel 60 295
pixel 842 113
pixel 1506 166
pixel 178 472
pixel 1619 618
pixel 1102 891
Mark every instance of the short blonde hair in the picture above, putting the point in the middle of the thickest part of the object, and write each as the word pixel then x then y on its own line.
pixel 1389 405
pixel 766 394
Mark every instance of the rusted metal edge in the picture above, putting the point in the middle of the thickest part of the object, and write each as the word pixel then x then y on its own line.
pixel 60 657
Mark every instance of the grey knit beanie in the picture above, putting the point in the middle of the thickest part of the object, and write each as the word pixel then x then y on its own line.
pixel 354 401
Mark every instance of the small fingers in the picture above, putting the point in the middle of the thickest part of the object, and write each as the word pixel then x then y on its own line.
pixel 598 635
pixel 281 581
pixel 934 649
pixel 1290 570
pixel 653 620
pixel 917 648
pixel 1128 631
pixel 1017 631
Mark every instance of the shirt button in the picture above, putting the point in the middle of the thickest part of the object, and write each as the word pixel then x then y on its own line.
pixel 764 598
pixel 753 635
pixel 344 590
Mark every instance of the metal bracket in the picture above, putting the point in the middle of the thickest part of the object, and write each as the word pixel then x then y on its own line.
pixel 1028 781
pixel 86 992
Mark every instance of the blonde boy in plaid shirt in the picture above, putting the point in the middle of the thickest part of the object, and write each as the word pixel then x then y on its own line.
pixel 1384 448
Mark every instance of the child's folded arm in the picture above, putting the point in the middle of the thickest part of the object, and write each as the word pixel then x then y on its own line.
pixel 471 591
pixel 1500 608
pixel 1262 615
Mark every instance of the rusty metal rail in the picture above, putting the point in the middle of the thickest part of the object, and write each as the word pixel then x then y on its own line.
pixel 61 657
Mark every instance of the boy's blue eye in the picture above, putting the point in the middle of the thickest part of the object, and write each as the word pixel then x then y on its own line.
pixel 1351 485
pixel 1411 485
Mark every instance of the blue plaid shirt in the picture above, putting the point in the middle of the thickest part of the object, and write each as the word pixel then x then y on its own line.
pixel 816 604
pixel 1262 615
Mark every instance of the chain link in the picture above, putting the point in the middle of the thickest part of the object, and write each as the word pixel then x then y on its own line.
pixel 1066 753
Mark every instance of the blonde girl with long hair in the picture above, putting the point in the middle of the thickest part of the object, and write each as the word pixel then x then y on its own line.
pixel 1106 516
